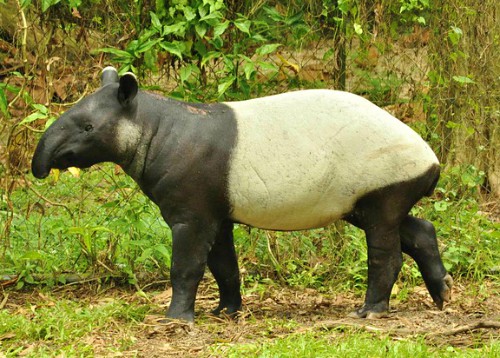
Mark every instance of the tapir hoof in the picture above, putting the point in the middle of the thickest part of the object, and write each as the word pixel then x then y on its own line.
pixel 227 311
pixel 171 325
pixel 443 294
pixel 371 312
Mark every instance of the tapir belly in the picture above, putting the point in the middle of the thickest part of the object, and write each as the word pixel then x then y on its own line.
pixel 302 159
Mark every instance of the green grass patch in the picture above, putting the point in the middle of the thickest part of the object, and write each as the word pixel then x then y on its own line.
pixel 64 327
pixel 354 344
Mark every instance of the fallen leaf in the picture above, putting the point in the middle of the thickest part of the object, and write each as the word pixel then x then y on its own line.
pixel 76 13
pixel 74 171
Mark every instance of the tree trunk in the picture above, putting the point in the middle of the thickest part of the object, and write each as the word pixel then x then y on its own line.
pixel 466 93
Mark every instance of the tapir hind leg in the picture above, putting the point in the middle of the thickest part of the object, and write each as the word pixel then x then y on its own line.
pixel 384 263
pixel 223 264
pixel 383 215
pixel 418 239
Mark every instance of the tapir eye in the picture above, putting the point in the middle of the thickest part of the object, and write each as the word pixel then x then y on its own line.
pixel 89 128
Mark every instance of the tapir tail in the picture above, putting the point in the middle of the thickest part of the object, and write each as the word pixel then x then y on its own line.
pixel 435 172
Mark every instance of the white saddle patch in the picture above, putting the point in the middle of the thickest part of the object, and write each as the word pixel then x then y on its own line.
pixel 302 159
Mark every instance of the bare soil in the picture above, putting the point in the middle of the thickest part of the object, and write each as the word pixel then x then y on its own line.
pixel 470 320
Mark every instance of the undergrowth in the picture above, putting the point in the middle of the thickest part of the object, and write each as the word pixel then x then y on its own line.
pixel 119 234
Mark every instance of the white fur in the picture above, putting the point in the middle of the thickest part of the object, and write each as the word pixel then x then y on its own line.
pixel 127 134
pixel 109 68
pixel 302 159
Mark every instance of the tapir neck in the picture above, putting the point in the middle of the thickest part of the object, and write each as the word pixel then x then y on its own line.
pixel 149 117
pixel 181 145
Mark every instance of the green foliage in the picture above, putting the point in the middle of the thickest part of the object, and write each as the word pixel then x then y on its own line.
pixel 199 36
pixel 118 238
pixel 471 240
pixel 414 10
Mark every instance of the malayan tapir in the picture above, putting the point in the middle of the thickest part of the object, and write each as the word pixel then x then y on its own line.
pixel 292 161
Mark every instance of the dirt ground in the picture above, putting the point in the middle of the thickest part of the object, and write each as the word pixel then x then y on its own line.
pixel 471 319
pixel 468 321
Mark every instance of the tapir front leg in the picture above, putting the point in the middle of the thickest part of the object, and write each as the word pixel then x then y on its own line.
pixel 191 244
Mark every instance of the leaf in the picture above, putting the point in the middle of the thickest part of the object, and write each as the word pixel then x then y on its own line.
pixel 463 79
pixel 441 205
pixel 267 49
pixel 220 28
pixel 343 6
pixel 455 34
pixel 243 25
pixel 33 255
pixel 146 46
pixel 49 121
pixel 74 171
pixel 48 3
pixel 273 13
pixel 212 18
pixel 55 173
pixel 189 13
pixel 201 29
pixel 33 117
pixel 421 20
pixel 74 4
pixel 4 103
pixel 25 3
pixel 249 70
pixel 210 56
pixel 41 108
pixel 358 29
pixel 222 87
pixel 268 66
pixel 185 72
pixel 328 54
pixel 295 68
pixel 258 38
pixel 178 29
pixel 155 21
pixel 173 48
pixel 164 251
pixel 116 52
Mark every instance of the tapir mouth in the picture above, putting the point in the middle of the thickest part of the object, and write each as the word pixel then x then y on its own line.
pixel 46 158
pixel 40 172
pixel 63 160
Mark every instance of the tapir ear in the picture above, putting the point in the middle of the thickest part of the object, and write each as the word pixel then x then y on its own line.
pixel 128 88
pixel 109 75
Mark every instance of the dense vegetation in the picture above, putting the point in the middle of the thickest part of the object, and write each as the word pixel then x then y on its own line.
pixel 434 66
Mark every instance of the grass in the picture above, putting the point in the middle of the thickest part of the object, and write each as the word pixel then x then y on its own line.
pixel 351 344
pixel 64 327
pixel 114 323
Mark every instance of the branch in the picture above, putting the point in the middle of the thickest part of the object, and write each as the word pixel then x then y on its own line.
pixel 466 328
pixel 24 28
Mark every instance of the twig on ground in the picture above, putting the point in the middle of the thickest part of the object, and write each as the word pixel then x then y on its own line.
pixel 4 301
pixel 466 328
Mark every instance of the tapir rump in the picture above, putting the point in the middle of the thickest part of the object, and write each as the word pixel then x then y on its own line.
pixel 293 161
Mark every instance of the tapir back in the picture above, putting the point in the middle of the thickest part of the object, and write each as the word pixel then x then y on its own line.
pixel 303 159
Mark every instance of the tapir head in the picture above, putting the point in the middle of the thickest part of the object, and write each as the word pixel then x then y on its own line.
pixel 99 128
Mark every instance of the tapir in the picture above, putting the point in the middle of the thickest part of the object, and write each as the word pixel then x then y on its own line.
pixel 292 161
